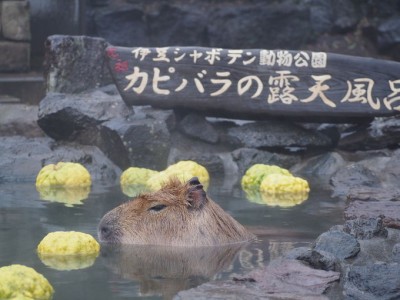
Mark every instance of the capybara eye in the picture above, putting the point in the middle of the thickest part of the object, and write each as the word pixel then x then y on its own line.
pixel 158 207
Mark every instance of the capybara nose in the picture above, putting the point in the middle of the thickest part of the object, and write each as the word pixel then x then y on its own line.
pixel 107 232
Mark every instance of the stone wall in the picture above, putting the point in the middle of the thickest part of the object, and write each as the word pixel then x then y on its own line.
pixel 15 35
pixel 363 28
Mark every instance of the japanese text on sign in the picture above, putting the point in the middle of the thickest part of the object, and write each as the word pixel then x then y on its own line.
pixel 278 85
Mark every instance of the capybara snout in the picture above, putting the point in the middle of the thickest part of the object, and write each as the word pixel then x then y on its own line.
pixel 178 214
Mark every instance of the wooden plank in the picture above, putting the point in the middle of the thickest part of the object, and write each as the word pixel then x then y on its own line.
pixel 257 83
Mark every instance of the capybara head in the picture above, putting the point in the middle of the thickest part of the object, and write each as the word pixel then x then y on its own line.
pixel 178 214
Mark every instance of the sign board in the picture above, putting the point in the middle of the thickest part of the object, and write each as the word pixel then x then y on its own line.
pixel 257 83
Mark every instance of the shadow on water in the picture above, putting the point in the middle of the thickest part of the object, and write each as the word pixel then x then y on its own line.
pixel 138 272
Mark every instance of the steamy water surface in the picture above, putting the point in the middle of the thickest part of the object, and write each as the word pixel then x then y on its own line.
pixel 139 272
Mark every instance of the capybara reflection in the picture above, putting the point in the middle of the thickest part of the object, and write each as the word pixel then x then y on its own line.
pixel 166 270
pixel 178 215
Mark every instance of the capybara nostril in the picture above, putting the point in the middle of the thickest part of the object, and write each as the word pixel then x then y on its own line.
pixel 107 231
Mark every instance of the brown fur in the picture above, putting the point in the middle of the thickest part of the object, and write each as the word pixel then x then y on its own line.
pixel 166 270
pixel 190 218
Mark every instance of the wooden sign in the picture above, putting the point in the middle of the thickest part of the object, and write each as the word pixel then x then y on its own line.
pixel 257 83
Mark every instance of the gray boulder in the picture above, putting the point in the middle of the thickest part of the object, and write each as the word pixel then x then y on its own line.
pixel 373 281
pixel 282 279
pixel 325 164
pixel 342 245
pixel 146 142
pixel 379 134
pixel 80 118
pixel 75 63
pixel 388 211
pixel 101 118
pixel 365 228
pixel 165 23
pixel 19 119
pixel 334 16
pixel 353 175
pixel 208 155
pixel 277 135
pixel 396 253
pixel 196 126
pixel 388 33
pixel 246 157
pixel 22 158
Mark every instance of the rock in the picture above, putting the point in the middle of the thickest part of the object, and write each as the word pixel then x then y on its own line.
pixel 177 24
pixel 388 211
pixel 256 25
pixel 22 158
pixel 165 115
pixel 147 142
pixel 75 63
pixel 325 164
pixel 396 253
pixel 353 175
pixel 292 276
pixel 299 253
pixel 15 20
pixel 196 126
pixel 391 172
pixel 19 119
pixel 14 56
pixel 334 16
pixel 342 245
pixel 377 249
pixel 282 279
pixel 218 290
pixel 381 133
pixel 322 260
pixel 373 281
pixel 373 194
pixel 199 23
pixel 365 228
pixel 246 157
pixel 123 26
pixel 103 120
pixel 316 259
pixel 276 135
pixel 81 117
pixel 388 33
pixel 209 156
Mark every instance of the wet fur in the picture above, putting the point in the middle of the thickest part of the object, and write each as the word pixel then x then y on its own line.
pixel 189 219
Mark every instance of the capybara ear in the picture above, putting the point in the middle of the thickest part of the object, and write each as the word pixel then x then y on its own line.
pixel 194 181
pixel 197 196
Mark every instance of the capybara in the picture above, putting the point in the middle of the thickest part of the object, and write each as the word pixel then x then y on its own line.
pixel 177 215
pixel 166 270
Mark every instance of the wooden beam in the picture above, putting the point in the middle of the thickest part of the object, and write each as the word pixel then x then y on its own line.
pixel 257 83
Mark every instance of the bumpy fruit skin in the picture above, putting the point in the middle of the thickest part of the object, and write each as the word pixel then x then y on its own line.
pixel 256 173
pixel 284 199
pixel 21 282
pixel 274 186
pixel 133 180
pixel 63 174
pixel 68 243
pixel 278 183
pixel 136 176
pixel 183 170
